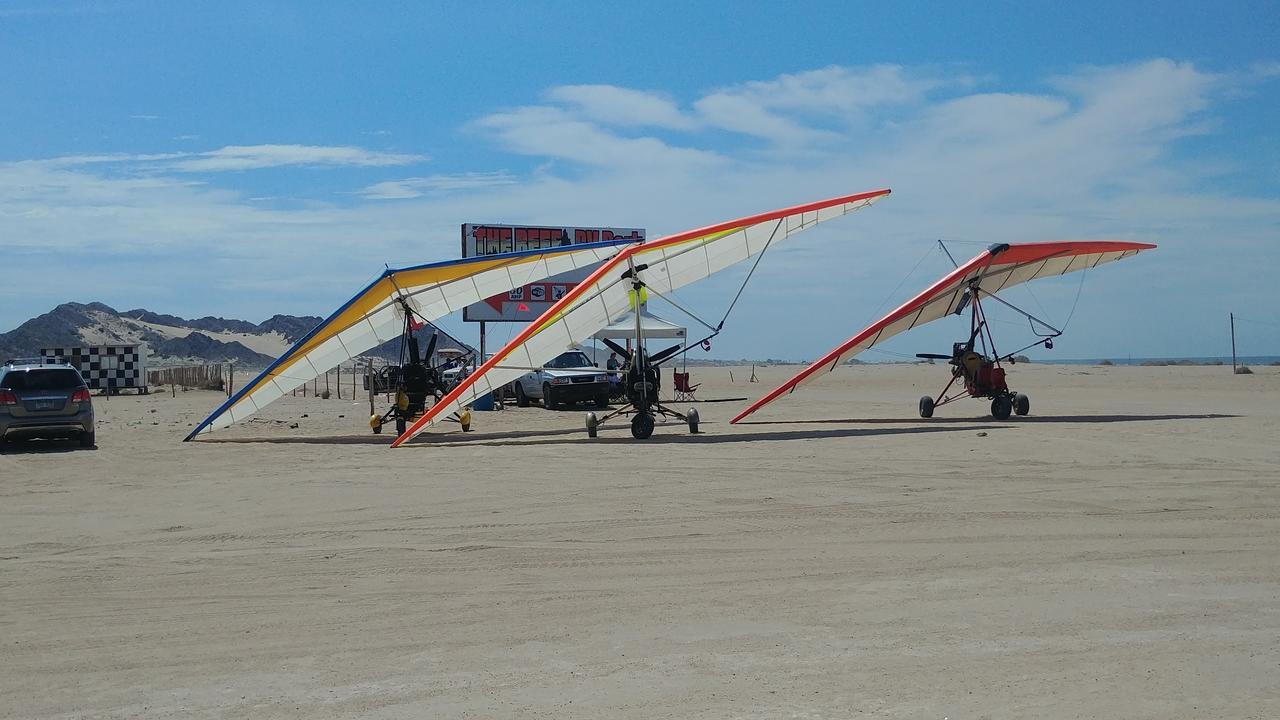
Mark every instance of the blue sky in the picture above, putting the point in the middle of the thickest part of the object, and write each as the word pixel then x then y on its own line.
pixel 244 159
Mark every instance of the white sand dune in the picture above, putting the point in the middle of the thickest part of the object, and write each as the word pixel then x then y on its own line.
pixel 1112 555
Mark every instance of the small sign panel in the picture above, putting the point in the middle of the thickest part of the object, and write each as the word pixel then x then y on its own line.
pixel 527 302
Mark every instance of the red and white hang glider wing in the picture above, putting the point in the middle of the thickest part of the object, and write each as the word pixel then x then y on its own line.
pixel 605 296
pixel 999 267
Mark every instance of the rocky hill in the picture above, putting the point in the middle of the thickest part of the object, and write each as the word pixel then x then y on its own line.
pixel 168 339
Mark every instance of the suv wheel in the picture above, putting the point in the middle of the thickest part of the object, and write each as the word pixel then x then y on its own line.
pixel 522 400
pixel 548 399
pixel 88 439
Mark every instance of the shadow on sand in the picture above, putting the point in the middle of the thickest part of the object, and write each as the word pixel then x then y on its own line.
pixel 674 433
pixel 1024 419
pixel 34 446
pixel 667 434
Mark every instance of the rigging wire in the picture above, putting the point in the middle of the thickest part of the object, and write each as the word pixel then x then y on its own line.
pixel 1074 303
pixel 875 314
pixel 1258 322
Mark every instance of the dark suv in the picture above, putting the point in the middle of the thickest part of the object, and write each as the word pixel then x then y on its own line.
pixel 43 399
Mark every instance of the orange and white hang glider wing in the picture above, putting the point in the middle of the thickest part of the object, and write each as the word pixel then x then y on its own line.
pixel 999 267
pixel 663 265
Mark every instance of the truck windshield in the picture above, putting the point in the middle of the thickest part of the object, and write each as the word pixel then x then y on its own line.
pixel 570 360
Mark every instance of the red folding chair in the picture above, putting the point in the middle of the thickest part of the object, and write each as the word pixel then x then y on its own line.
pixel 684 391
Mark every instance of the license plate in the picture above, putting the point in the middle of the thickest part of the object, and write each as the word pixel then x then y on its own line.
pixel 48 404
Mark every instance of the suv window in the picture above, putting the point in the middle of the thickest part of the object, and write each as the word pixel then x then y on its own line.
pixel 41 379
pixel 570 360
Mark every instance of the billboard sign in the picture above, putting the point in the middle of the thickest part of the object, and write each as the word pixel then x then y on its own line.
pixel 528 301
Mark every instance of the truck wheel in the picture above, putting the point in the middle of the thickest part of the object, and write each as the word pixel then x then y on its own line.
pixel 548 399
pixel 602 401
pixel 522 400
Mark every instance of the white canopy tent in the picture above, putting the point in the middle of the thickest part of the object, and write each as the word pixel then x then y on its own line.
pixel 651 326
pixel 625 329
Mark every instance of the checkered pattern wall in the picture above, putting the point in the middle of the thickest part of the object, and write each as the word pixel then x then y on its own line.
pixel 104 366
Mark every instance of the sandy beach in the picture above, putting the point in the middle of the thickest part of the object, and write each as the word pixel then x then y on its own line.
pixel 1116 554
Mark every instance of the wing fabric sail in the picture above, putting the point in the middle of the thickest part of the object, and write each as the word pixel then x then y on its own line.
pixel 663 265
pixel 995 269
pixel 375 315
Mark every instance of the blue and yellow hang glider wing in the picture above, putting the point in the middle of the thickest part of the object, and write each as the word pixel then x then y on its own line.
pixel 376 315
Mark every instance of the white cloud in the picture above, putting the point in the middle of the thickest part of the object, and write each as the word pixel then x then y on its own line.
pixel 780 109
pixel 418 186
pixel 252 157
pixel 245 157
pixel 622 107
pixel 551 132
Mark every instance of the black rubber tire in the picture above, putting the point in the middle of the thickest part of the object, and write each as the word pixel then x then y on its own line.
pixel 1001 407
pixel 1021 404
pixel 926 407
pixel 377 429
pixel 400 426
pixel 522 400
pixel 642 426
pixel 602 401
pixel 692 418
pixel 548 397
pixel 593 425
pixel 88 439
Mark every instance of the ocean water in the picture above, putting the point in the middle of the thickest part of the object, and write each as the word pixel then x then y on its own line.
pixel 1258 360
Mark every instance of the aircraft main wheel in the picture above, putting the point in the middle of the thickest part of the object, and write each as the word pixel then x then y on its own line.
pixel 642 426
pixel 377 429
pixel 548 400
pixel 593 424
pixel 400 426
pixel 522 400
pixel 926 407
pixel 1001 407
pixel 1021 404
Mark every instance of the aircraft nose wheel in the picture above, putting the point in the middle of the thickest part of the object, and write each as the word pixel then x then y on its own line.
pixel 692 418
pixel 926 407
pixel 593 424
pixel 1001 407
pixel 1021 404
pixel 642 426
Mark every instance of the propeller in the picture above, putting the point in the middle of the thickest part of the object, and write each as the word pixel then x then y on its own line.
pixel 431 347
pixel 663 355
pixel 626 355
pixel 933 356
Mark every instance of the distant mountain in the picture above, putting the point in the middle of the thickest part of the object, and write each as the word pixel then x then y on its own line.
pixel 169 339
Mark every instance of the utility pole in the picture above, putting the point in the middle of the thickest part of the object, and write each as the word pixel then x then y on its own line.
pixel 1233 343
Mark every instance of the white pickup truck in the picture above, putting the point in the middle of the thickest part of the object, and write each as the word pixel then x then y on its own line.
pixel 569 378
